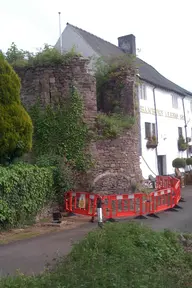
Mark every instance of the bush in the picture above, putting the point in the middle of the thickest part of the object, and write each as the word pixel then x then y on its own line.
pixel 62 172
pixel 119 255
pixel 24 189
pixel 111 126
pixel 189 161
pixel 15 124
pixel 179 163
pixel 46 56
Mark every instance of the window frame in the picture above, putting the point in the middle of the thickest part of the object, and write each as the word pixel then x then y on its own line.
pixel 180 132
pixel 175 102
pixel 151 130
pixel 142 92
pixel 191 105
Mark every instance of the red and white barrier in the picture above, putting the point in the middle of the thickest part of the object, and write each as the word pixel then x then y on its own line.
pixel 167 195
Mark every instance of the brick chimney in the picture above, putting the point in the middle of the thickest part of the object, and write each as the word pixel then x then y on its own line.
pixel 127 44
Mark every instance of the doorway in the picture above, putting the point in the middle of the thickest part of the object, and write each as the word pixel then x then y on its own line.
pixel 162 165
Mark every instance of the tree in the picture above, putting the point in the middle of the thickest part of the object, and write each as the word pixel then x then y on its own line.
pixel 15 124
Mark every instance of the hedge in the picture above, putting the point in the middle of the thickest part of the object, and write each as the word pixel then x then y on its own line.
pixel 24 189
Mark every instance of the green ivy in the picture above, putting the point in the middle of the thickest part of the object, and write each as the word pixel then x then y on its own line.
pixel 24 189
pixel 62 131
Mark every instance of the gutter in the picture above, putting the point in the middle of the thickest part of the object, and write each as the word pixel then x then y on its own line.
pixel 156 125
pixel 185 123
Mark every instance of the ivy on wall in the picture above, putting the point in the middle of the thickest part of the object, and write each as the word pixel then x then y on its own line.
pixel 62 131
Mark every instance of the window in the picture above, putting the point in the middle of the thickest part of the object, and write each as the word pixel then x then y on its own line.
pixel 153 129
pixel 150 130
pixel 180 131
pixel 175 101
pixel 191 105
pixel 142 92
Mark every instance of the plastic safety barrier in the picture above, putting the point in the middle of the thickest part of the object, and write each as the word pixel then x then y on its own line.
pixel 166 196
pixel 83 203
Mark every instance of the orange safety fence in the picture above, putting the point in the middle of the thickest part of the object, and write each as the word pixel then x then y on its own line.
pixel 166 196
pixel 83 203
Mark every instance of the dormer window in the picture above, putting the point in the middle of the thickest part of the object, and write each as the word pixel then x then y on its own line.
pixel 142 92
pixel 174 101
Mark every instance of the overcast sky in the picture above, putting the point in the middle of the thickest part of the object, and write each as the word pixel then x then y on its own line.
pixel 162 28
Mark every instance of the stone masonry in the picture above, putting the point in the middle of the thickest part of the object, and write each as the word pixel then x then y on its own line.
pixel 51 84
pixel 117 164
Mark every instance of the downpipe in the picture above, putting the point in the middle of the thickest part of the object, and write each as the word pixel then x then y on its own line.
pixel 156 126
pixel 185 122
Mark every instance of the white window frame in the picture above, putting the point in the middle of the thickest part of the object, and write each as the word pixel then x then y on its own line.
pixel 152 130
pixel 175 104
pixel 142 91
pixel 191 105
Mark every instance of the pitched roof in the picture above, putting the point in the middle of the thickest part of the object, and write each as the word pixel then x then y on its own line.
pixel 146 71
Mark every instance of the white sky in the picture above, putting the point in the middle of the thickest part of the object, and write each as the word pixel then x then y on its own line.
pixel 162 28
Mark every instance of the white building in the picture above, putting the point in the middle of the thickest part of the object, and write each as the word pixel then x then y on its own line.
pixel 165 108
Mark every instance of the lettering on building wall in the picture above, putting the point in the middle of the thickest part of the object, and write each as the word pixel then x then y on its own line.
pixel 168 114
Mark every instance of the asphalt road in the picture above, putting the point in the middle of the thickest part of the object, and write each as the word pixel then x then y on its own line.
pixel 31 256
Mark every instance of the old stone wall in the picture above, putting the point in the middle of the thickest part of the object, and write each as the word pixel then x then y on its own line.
pixel 117 165
pixel 51 84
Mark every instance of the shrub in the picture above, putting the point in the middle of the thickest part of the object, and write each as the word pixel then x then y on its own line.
pixel 119 255
pixel 24 189
pixel 62 172
pixel 179 163
pixel 111 126
pixel 189 161
pixel 15 124
pixel 48 55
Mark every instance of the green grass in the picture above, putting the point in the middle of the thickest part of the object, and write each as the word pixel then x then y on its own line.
pixel 119 255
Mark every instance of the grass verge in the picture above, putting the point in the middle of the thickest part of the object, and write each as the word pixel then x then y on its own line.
pixel 120 255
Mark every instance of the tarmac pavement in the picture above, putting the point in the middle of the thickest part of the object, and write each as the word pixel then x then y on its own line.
pixel 31 256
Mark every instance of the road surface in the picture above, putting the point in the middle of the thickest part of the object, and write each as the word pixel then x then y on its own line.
pixel 31 256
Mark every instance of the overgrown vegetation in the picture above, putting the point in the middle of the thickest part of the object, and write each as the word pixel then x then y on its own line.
pixel 46 56
pixel 111 126
pixel 111 73
pixel 62 131
pixel 15 124
pixel 120 255
pixel 61 139
pixel 24 189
